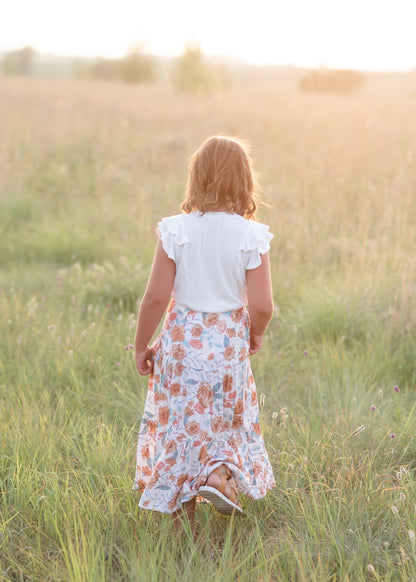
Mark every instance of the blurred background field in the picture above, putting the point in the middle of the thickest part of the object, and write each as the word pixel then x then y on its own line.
pixel 87 170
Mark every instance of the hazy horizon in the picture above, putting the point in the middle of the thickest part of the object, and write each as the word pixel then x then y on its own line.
pixel 371 36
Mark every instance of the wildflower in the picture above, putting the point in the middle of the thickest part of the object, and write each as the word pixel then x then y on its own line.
pixel 373 407
pixel 305 353
pixel 411 535
pixel 396 389
pixel 395 510
pixel 83 334
pixel 108 305
pixel 399 476
pixel 70 353
pixel 279 354
pixel 118 365
pixel 392 435
pixel 380 393
pixel 274 415
pixel 371 569
pixel 403 470
pixel 402 496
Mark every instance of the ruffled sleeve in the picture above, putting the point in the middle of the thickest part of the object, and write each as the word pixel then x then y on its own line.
pixel 256 242
pixel 171 231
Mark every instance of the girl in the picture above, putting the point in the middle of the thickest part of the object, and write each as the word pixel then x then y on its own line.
pixel 200 432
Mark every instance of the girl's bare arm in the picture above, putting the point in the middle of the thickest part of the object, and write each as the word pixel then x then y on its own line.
pixel 153 306
pixel 260 302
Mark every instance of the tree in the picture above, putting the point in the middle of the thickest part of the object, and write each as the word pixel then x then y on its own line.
pixel 331 81
pixel 19 62
pixel 194 74
pixel 137 67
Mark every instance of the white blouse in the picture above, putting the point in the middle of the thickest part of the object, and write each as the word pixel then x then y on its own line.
pixel 212 252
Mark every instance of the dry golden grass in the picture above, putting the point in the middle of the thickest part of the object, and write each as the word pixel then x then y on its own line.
pixel 87 169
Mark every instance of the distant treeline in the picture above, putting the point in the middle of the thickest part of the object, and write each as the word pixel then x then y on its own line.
pixel 190 72
pixel 135 67
pixel 331 81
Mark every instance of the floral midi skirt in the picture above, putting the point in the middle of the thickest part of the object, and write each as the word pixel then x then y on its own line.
pixel 201 411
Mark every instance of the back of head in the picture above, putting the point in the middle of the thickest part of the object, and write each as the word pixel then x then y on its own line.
pixel 221 177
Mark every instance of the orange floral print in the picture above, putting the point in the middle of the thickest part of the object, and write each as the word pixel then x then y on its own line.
pixel 182 479
pixel 163 415
pixel 160 397
pixel 239 407
pixel 211 319
pixel 171 447
pixel 175 389
pixel 179 368
pixel 229 352
pixel 205 394
pixel 178 351
pixel 203 454
pixel 201 409
pixel 227 383
pixel 237 421
pixel 197 344
pixel 216 424
pixel 221 326
pixel 152 427
pixel 177 334
pixel 192 428
pixel 197 330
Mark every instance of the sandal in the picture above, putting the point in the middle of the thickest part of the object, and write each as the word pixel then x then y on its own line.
pixel 222 503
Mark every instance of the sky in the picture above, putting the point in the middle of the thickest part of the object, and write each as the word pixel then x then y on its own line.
pixel 359 34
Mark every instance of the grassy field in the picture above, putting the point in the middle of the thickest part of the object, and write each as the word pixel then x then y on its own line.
pixel 87 170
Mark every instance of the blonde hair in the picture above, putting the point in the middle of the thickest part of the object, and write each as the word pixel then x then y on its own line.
pixel 221 176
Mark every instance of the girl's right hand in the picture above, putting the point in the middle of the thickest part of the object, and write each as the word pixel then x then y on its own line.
pixel 256 341
pixel 144 361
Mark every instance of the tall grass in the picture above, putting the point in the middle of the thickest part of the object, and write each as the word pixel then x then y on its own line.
pixel 87 171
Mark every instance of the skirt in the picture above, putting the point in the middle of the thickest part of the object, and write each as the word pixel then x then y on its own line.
pixel 201 410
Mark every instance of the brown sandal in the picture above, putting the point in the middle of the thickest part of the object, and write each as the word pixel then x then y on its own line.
pixel 217 497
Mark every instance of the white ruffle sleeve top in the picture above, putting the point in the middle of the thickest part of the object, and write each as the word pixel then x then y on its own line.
pixel 212 252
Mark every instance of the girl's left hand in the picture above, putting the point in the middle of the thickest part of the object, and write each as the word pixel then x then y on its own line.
pixel 144 361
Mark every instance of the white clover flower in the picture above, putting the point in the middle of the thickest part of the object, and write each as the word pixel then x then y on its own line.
pixel 371 569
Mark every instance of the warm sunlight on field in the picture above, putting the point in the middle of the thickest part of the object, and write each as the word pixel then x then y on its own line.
pixel 87 170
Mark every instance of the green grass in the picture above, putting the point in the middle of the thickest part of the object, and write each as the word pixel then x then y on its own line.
pixel 79 199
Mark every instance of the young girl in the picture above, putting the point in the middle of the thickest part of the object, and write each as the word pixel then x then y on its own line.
pixel 200 432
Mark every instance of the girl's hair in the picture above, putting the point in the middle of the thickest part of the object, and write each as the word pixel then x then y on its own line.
pixel 221 175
